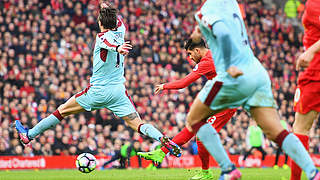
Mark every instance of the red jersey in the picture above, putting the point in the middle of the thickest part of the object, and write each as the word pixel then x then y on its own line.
pixel 311 23
pixel 205 67
pixel 307 95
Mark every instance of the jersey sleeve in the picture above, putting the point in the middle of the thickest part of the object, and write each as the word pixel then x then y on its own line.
pixel 206 20
pixel 206 17
pixel 184 82
pixel 106 42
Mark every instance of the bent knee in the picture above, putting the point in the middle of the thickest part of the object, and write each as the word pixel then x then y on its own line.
pixel 301 128
pixel 192 120
pixel 133 120
pixel 273 134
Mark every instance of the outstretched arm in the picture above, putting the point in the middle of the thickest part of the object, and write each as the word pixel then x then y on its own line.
pixel 179 84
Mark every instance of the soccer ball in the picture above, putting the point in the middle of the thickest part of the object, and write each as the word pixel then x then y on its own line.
pixel 86 162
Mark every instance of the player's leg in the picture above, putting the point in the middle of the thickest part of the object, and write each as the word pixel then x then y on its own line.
pixel 140 162
pixel 218 121
pixel 181 138
pixel 204 155
pixel 303 122
pixel 275 166
pixel 285 165
pixel 248 153
pixel 133 120
pixel 268 119
pixel 215 97
pixel 198 114
pixel 262 152
pixel 121 104
pixel 69 107
pixel 301 128
pixel 122 162
pixel 115 157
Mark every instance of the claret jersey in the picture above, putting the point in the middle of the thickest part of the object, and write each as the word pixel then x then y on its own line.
pixel 107 63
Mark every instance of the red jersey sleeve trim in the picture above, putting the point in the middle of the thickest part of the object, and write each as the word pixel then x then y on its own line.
pixel 102 33
pixel 119 22
pixel 108 44
pixel 182 83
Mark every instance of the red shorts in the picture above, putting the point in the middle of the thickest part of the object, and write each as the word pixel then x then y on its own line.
pixel 307 97
pixel 219 120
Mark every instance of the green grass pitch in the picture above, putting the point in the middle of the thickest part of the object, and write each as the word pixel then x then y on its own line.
pixel 137 174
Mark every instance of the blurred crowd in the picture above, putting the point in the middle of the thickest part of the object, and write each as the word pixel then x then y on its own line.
pixel 46 57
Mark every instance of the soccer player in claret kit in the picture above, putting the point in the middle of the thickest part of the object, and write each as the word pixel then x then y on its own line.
pixel 307 96
pixel 241 81
pixel 201 55
pixel 106 89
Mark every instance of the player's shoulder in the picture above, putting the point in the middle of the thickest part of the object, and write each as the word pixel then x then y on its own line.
pixel 120 22
pixel 106 35
pixel 204 64
pixel 313 8
pixel 218 5
pixel 211 11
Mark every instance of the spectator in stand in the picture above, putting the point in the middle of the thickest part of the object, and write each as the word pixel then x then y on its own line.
pixel 124 153
pixel 255 140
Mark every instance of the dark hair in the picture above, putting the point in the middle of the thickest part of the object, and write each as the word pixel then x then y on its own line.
pixel 190 45
pixel 108 17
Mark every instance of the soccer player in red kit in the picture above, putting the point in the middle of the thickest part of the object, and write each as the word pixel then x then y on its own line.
pixel 204 67
pixel 307 96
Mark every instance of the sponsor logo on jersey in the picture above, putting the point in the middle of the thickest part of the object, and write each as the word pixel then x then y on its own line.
pixel 195 68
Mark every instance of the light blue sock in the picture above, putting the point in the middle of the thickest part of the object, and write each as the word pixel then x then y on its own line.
pixel 294 148
pixel 210 138
pixel 43 125
pixel 151 131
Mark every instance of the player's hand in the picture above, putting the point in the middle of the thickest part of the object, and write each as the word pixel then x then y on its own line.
pixel 125 48
pixel 196 34
pixel 234 72
pixel 159 88
pixel 304 59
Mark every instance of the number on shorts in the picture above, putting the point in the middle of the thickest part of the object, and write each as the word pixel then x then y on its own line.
pixel 211 120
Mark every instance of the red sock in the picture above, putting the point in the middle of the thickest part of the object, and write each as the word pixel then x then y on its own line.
pixel 281 136
pixel 57 115
pixel 203 154
pixel 295 169
pixel 181 138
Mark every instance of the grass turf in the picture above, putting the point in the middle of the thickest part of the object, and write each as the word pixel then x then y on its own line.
pixel 137 174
